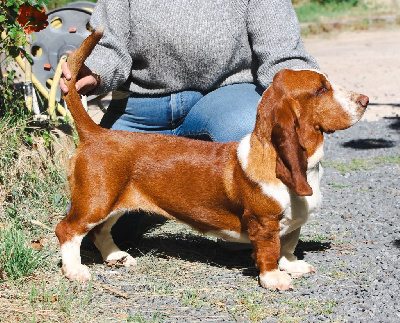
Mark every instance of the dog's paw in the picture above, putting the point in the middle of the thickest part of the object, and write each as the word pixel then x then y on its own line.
pixel 296 268
pixel 276 280
pixel 77 272
pixel 121 258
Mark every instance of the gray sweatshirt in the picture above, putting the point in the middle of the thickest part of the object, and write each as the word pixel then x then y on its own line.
pixel 157 47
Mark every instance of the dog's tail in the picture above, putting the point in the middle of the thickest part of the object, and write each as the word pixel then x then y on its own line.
pixel 83 122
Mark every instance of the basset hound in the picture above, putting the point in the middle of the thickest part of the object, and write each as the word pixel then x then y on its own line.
pixel 260 190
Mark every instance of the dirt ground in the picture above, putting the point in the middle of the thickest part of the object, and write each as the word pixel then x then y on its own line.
pixel 364 61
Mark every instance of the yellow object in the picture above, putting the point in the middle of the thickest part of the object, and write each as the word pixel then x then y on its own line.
pixel 40 87
pixel 54 86
pixel 28 80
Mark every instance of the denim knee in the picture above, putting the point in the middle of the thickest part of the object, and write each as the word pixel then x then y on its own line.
pixel 226 114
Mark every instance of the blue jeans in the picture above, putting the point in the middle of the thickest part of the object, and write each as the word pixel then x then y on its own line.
pixel 225 114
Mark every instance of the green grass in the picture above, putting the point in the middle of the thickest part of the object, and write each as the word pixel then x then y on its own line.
pixel 17 258
pixel 312 11
pixel 358 164
pixel 33 199
pixel 323 11
pixel 59 3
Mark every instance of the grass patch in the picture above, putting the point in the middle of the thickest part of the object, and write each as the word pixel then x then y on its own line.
pixel 33 199
pixel 313 11
pixel 321 307
pixel 59 3
pixel 361 164
pixel 327 16
pixel 324 11
pixel 333 185
pixel 17 258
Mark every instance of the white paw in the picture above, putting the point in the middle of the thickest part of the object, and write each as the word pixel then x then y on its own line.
pixel 276 280
pixel 77 272
pixel 121 258
pixel 296 268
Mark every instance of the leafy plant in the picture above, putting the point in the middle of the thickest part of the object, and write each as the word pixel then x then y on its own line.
pixel 18 18
pixel 12 104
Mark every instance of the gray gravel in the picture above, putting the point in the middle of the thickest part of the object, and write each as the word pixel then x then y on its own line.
pixel 361 209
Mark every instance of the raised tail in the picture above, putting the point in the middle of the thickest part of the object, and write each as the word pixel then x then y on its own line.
pixel 83 122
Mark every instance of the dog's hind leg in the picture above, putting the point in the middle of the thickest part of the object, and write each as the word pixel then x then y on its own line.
pixel 101 237
pixel 70 232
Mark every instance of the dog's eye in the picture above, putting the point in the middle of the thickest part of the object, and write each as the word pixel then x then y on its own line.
pixel 321 90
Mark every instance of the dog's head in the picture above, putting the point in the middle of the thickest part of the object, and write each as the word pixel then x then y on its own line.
pixel 298 108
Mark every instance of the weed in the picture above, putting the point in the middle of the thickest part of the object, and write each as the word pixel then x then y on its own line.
pixel 361 164
pixel 138 318
pixel 319 307
pixel 17 258
pixel 333 185
pixel 191 298
pixel 316 237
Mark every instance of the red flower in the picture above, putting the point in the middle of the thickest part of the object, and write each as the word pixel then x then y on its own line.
pixel 32 19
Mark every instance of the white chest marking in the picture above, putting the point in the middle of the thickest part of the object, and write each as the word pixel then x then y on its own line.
pixel 243 151
pixel 277 192
pixel 313 160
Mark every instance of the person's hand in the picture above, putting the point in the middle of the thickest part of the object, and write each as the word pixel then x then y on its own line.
pixel 86 83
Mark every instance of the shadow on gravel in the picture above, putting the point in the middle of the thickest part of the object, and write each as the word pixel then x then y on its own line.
pixel 396 243
pixel 310 246
pixel 195 249
pixel 396 123
pixel 369 143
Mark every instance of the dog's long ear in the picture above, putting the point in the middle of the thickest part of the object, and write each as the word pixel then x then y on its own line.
pixel 291 160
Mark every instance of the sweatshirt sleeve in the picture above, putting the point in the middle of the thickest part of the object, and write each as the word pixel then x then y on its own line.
pixel 274 34
pixel 110 58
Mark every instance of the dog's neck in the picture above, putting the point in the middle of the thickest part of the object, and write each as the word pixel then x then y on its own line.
pixel 258 160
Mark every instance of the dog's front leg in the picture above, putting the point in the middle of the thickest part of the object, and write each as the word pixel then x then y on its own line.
pixel 288 261
pixel 264 236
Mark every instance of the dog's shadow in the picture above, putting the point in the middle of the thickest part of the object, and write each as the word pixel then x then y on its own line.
pixel 195 248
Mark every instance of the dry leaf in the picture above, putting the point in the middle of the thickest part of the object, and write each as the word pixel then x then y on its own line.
pixel 115 263
pixel 37 244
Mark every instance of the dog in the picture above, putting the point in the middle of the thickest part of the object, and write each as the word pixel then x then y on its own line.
pixel 259 190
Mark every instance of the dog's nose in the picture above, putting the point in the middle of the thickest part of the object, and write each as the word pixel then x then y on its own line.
pixel 363 100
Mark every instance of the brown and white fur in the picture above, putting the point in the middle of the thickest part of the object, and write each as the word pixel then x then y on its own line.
pixel 261 189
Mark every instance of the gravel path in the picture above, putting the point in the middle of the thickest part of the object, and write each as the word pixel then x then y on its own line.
pixel 361 213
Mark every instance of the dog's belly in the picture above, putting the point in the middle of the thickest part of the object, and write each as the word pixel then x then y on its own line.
pixel 230 235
